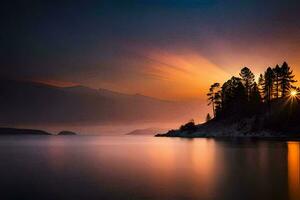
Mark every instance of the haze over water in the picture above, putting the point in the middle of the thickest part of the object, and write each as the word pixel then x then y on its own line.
pixel 129 167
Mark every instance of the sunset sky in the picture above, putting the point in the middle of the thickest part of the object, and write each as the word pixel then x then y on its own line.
pixel 167 49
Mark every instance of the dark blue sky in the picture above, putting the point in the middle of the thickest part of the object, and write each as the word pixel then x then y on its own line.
pixel 135 46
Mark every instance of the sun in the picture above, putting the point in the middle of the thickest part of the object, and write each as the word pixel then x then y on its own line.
pixel 293 93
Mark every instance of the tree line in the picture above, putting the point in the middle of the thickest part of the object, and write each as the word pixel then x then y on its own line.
pixel 244 96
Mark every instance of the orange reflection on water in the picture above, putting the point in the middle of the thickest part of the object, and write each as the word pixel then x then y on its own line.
pixel 294 170
pixel 186 164
pixel 205 164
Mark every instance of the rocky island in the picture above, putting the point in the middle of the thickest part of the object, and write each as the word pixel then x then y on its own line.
pixel 244 108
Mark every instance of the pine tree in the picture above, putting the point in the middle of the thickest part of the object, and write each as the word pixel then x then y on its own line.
pixel 214 96
pixel 287 79
pixel 218 102
pixel 261 85
pixel 268 84
pixel 248 79
pixel 233 95
pixel 277 80
pixel 243 97
pixel 255 95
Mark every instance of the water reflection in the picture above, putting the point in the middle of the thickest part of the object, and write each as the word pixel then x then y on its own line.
pixel 149 168
pixel 294 170
pixel 185 168
pixel 205 161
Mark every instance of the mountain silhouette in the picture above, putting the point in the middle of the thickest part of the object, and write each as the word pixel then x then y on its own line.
pixel 25 102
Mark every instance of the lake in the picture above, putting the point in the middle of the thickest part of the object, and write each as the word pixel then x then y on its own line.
pixel 144 167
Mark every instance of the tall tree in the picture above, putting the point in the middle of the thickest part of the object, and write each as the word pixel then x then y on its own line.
pixel 255 98
pixel 261 85
pixel 214 96
pixel 233 96
pixel 235 100
pixel 248 79
pixel 277 80
pixel 287 79
pixel 218 102
pixel 268 84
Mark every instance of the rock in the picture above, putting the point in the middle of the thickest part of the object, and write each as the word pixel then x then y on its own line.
pixel 66 133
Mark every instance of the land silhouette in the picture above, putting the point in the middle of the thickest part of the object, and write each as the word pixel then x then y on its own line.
pixel 21 131
pixel 66 133
pixel 147 131
pixel 31 103
pixel 17 131
pixel 243 107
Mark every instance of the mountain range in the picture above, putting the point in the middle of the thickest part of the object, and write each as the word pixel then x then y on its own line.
pixel 27 102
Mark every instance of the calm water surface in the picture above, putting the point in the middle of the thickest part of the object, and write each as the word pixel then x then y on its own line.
pixel 138 167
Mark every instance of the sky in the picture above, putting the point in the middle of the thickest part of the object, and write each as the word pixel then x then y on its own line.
pixel 168 49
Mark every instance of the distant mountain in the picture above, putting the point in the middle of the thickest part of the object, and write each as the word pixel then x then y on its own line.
pixel 66 133
pixel 30 102
pixel 147 131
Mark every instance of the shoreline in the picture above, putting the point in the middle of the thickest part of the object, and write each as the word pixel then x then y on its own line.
pixel 242 130
pixel 266 138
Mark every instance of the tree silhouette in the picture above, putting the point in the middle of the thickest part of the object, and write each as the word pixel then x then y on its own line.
pixel 233 96
pixel 243 98
pixel 277 80
pixel 248 80
pixel 261 85
pixel 248 106
pixel 287 79
pixel 214 97
pixel 255 95
pixel 268 84
pixel 255 99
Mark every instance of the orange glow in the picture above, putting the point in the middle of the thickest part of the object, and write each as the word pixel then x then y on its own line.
pixel 293 93
pixel 183 75
pixel 294 170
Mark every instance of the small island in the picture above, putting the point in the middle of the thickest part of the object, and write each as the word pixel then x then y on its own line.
pixel 245 108
pixel 66 133
pixel 147 131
